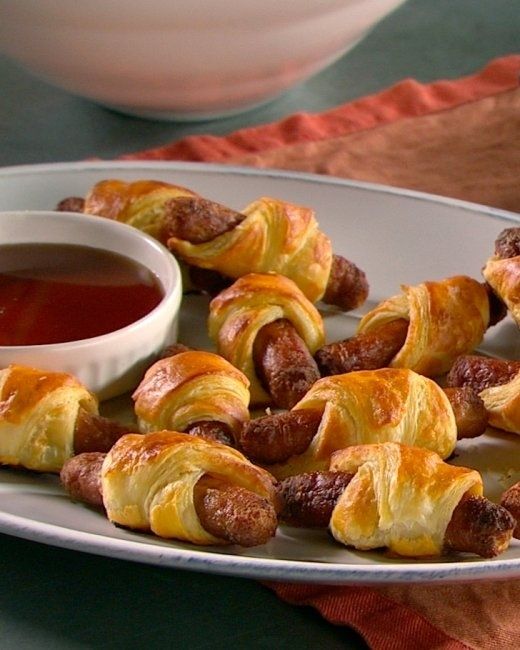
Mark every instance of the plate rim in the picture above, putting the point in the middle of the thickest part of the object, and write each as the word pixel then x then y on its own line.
pixel 267 568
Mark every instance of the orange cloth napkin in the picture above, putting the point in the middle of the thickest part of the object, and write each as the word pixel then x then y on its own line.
pixel 458 138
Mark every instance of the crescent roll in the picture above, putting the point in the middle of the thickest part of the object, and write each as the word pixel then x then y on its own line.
pixel 401 498
pixel 140 203
pixel 446 318
pixel 503 275
pixel 373 406
pixel 148 482
pixel 254 300
pixel 275 236
pixel 190 387
pixel 38 413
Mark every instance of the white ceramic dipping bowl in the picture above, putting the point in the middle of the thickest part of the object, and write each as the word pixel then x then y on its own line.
pixel 183 59
pixel 112 363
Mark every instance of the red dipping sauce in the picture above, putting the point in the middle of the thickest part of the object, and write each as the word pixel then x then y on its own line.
pixel 54 293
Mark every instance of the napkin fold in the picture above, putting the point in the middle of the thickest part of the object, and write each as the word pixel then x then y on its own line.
pixel 458 138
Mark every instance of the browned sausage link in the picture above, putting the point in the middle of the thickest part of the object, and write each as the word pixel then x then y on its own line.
pixel 96 433
pixel 71 204
pixel 309 499
pixel 479 526
pixel 470 412
pixel 212 430
pixel 207 281
pixel 275 438
pixel 511 502
pixel 283 363
pixel 347 286
pixel 366 351
pixel 80 476
pixel 481 372
pixel 198 220
pixel 507 243
pixel 497 307
pixel 233 513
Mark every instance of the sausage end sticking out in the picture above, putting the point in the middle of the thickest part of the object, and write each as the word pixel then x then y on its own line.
pixel 275 438
pixel 481 372
pixel 470 412
pixel 283 363
pixel 96 433
pixel 234 514
pixel 309 499
pixel 81 478
pixel 347 286
pixel 511 501
pixel 479 526
pixel 366 351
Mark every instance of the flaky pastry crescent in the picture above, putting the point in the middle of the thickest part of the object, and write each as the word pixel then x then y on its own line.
pixel 401 498
pixel 503 275
pixel 373 406
pixel 275 236
pixel 446 318
pixel 189 387
pixel 148 482
pixel 140 203
pixel 503 405
pixel 238 313
pixel 38 412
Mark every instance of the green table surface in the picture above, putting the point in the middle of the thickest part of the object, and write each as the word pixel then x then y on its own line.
pixel 57 598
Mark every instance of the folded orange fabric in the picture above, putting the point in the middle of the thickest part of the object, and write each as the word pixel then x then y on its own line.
pixel 458 138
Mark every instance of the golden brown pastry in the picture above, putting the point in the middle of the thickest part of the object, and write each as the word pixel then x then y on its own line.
pixel 38 416
pixel 275 236
pixel 149 482
pixel 238 314
pixel 446 318
pixel 191 387
pixel 372 406
pixel 141 204
pixel 401 498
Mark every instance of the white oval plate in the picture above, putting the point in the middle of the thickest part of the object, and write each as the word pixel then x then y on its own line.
pixel 396 237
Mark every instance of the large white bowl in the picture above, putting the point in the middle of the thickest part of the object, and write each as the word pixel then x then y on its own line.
pixel 182 59
pixel 112 363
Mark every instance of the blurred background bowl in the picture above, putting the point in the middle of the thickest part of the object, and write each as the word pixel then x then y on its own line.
pixel 112 363
pixel 182 59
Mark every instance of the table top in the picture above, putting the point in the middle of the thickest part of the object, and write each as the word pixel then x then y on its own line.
pixel 57 598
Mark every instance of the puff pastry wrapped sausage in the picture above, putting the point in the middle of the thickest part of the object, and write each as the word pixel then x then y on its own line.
pixel 190 388
pixel 367 406
pixel 142 204
pixel 164 482
pixel 424 328
pixel 399 497
pixel 38 416
pixel 240 314
pixel 502 270
pixel 268 236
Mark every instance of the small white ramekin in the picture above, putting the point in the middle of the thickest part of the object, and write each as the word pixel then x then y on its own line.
pixel 113 363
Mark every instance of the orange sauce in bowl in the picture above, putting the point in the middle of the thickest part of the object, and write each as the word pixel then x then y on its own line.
pixel 55 293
